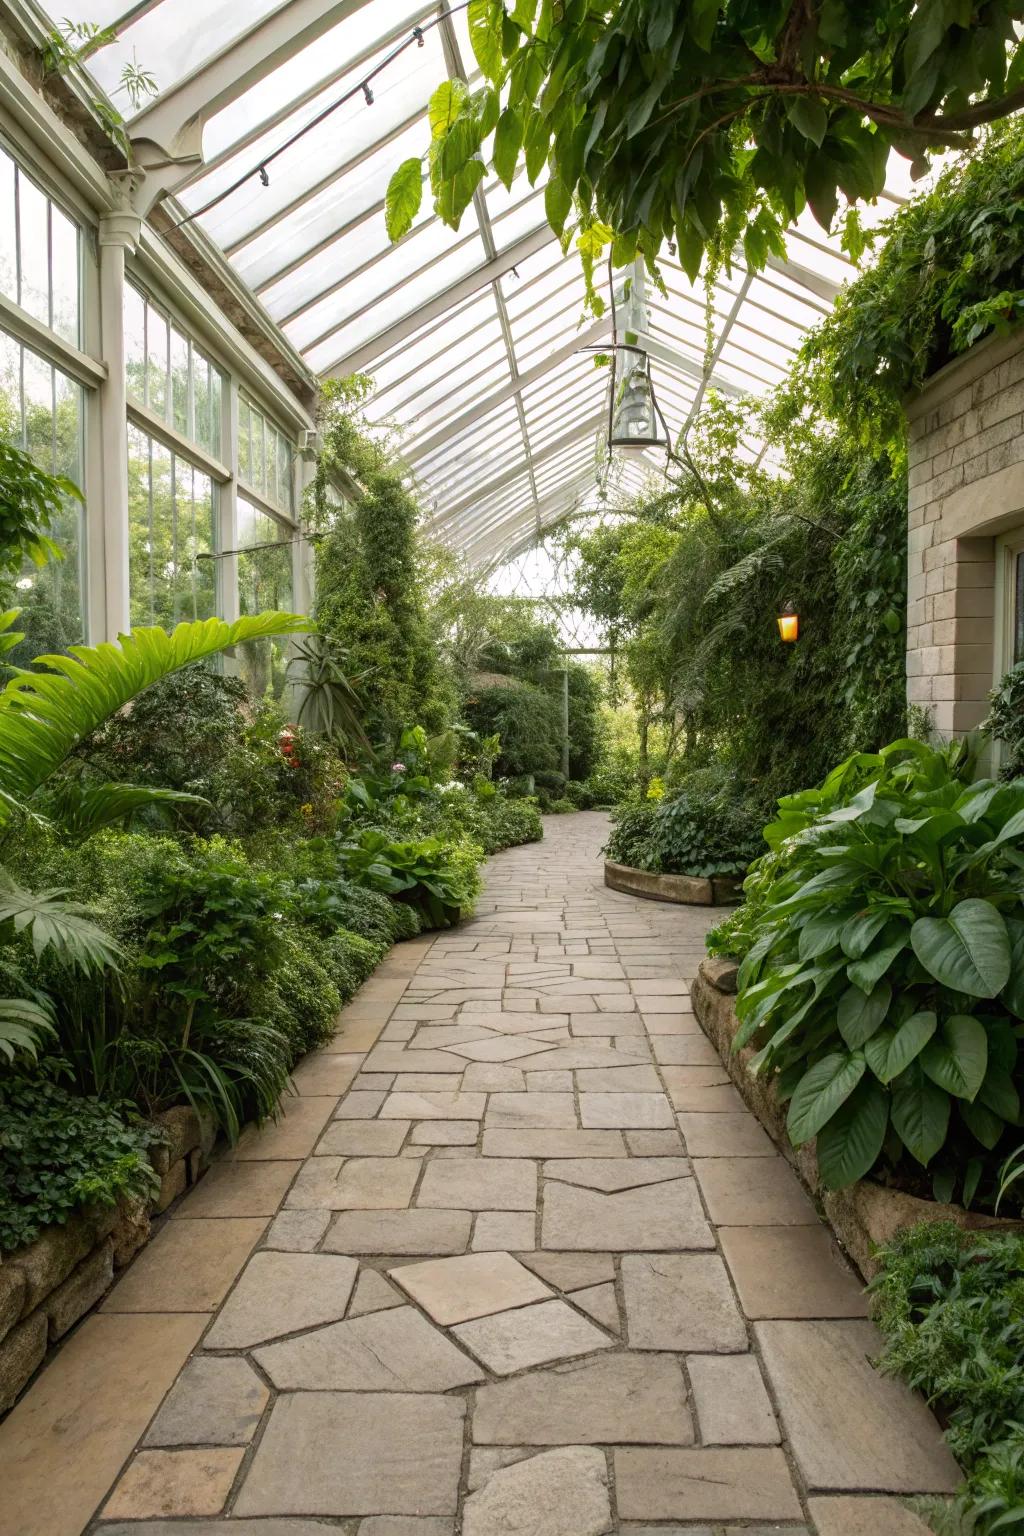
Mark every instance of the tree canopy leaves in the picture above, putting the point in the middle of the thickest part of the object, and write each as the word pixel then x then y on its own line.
pixel 716 122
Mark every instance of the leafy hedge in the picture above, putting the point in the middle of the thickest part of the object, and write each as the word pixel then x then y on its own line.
pixel 704 831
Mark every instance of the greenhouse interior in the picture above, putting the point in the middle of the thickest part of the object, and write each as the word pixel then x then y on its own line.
pixel 553 469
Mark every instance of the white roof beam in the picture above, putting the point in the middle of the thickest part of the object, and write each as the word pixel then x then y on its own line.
pixel 356 360
pixel 416 449
pixel 170 129
pixel 585 428
pixel 296 103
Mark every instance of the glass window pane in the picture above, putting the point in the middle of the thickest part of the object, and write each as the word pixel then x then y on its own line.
pixel 264 581
pixel 34 250
pixel 135 343
pixel 8 230
pixel 64 275
pixel 172 523
pixel 179 381
pixel 157 348
pixel 41 410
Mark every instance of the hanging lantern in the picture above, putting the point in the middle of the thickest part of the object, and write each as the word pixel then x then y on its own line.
pixel 635 422
pixel 789 624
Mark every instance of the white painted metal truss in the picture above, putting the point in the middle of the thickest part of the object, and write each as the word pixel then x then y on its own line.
pixel 474 338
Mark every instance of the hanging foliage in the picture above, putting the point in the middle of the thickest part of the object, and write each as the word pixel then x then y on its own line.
pixel 710 123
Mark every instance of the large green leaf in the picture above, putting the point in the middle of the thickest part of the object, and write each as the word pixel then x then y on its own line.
pixel 867 973
pixel 920 1113
pixel 403 198
pixel 820 1092
pixel 484 18
pixel 1013 991
pixel 957 1057
pixel 968 951
pixel 45 714
pixel 891 1051
pixel 848 1147
pixel 24 1023
pixel 508 141
pixel 53 923
pixel 859 1015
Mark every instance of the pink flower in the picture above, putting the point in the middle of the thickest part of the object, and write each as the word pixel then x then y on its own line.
pixel 397 767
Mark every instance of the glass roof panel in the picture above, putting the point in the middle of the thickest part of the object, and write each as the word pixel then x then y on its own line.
pixel 494 457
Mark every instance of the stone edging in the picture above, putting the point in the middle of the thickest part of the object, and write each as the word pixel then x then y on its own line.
pixel 46 1287
pixel 864 1216
pixel 685 890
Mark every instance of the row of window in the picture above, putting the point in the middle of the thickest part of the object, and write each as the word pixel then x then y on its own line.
pixel 174 568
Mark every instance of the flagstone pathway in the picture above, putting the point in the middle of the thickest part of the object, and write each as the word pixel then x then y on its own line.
pixel 537 1272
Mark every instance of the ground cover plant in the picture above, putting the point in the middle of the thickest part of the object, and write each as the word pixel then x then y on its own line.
pixel 706 829
pixel 951 1307
pixel 882 974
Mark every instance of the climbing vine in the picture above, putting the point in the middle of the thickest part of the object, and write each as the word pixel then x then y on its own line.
pixel 367 579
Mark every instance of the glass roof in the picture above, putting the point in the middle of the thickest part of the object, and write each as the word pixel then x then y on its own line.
pixel 475 337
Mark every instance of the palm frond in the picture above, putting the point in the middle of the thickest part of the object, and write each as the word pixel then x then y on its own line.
pixel 45 714
pixel 82 810
pixel 52 922
pixel 24 1022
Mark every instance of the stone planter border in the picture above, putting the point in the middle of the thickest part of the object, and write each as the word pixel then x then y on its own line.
pixel 864 1216
pixel 47 1287
pixel 685 890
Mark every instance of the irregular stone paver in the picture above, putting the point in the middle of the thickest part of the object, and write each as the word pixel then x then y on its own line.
pixel 614 1400
pixel 849 1427
pixel 184 1482
pixel 356 1453
pixel 480 1184
pixel 753 1192
pixel 538 1284
pixel 681 1301
pixel 791 1272
pixel 611 1174
pixel 213 1402
pixel 733 1407
pixel 280 1293
pixel 411 1231
pixel 656 1216
pixel 395 1350
pixel 456 1290
pixel 845 1516
pixel 557 1493
pixel 512 1341
pixel 747 1484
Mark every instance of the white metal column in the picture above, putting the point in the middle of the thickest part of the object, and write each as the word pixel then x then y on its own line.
pixel 118 233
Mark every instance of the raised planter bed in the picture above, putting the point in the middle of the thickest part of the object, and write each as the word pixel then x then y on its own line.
pixel 46 1287
pixel 867 1214
pixel 685 890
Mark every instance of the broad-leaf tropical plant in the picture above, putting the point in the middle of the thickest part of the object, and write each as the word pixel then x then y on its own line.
pixel 47 710
pixel 884 982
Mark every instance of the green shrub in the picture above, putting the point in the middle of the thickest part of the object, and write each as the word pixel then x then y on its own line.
pixel 951 1307
pixel 351 959
pixel 632 837
pixel 884 979
pixel 707 830
pixel 1005 721
pixel 438 879
pixel 60 1151
pixel 560 807
pixel 298 995
pixel 529 721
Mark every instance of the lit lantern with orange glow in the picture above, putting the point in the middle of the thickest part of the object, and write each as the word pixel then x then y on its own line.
pixel 789 624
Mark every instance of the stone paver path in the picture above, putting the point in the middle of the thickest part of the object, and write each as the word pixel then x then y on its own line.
pixel 537 1272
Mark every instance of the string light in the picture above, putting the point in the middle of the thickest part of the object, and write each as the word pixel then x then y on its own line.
pixel 416 37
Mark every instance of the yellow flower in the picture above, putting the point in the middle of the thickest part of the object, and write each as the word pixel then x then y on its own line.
pixel 656 789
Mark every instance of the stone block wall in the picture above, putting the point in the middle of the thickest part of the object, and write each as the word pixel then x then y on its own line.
pixel 48 1286
pixel 966 486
